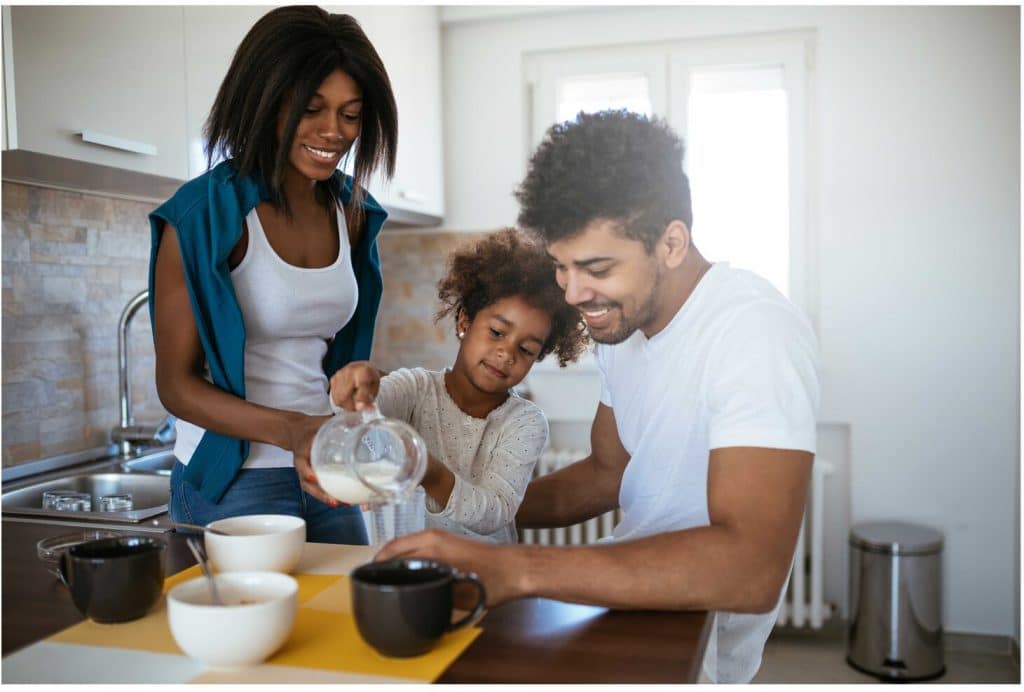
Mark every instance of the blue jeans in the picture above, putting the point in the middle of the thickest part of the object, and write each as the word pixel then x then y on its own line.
pixel 267 491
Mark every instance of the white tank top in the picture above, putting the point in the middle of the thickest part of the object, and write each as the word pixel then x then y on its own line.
pixel 289 314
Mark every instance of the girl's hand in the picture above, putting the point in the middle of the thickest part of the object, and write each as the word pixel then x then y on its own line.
pixel 355 386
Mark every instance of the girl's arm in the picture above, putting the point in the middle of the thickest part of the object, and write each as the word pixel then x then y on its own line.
pixel 438 481
pixel 492 501
pixel 184 391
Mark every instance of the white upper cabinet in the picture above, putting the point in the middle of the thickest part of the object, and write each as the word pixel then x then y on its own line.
pixel 130 88
pixel 408 40
pixel 101 85
pixel 212 35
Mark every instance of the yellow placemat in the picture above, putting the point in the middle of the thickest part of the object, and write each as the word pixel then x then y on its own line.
pixel 324 636
pixel 153 632
pixel 330 641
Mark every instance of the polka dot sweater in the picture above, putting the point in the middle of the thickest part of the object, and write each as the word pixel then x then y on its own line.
pixel 491 458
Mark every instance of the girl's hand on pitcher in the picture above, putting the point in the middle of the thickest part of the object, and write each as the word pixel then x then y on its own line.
pixel 354 387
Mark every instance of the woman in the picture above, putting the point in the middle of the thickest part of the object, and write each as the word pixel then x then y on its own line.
pixel 265 275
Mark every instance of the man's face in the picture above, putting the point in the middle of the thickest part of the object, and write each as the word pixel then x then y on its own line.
pixel 609 278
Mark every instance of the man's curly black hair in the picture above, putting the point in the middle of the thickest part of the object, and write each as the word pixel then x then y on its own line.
pixel 509 263
pixel 612 165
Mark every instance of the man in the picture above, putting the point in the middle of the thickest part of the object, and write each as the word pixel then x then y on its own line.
pixel 705 433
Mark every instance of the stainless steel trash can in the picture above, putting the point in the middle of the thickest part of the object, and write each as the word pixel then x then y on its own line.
pixel 895 628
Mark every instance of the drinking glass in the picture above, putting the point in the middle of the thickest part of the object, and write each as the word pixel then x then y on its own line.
pixel 399 518
pixel 67 501
pixel 50 497
pixel 116 503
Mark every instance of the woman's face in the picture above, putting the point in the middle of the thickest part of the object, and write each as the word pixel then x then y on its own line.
pixel 326 129
pixel 501 344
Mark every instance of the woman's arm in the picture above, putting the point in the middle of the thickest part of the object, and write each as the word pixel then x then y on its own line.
pixel 188 395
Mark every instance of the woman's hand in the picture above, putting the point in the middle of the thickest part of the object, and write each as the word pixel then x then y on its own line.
pixel 302 432
pixel 355 386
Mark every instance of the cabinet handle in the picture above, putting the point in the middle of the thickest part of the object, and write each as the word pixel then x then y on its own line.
pixel 93 137
pixel 412 196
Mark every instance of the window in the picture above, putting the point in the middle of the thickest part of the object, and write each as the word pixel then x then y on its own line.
pixel 737 161
pixel 592 93
pixel 562 84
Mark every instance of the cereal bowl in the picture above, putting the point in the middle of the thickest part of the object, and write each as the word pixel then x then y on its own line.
pixel 255 620
pixel 257 543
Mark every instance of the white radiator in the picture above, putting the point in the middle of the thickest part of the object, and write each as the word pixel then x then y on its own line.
pixel 578 534
pixel 797 609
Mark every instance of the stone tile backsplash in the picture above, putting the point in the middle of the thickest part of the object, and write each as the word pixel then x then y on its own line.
pixel 71 262
pixel 407 336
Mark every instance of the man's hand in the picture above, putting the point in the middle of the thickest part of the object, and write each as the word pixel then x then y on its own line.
pixel 355 386
pixel 500 568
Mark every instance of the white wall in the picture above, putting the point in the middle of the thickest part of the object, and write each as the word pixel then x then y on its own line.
pixel 917 217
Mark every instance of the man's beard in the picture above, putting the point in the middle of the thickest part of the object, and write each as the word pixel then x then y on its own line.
pixel 625 328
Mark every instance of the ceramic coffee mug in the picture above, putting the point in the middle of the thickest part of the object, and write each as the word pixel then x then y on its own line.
pixel 115 579
pixel 402 607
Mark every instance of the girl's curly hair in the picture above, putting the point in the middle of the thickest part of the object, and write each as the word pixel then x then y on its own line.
pixel 508 263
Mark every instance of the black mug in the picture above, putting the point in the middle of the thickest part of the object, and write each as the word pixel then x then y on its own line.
pixel 115 579
pixel 402 607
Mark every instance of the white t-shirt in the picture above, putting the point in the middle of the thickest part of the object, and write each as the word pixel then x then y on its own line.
pixel 736 366
pixel 491 458
pixel 289 313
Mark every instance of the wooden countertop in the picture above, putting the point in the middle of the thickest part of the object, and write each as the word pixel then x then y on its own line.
pixel 531 640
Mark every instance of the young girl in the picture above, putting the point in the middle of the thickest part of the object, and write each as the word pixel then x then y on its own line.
pixel 264 274
pixel 483 439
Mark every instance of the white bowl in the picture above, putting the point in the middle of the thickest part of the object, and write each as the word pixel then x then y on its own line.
pixel 258 543
pixel 255 623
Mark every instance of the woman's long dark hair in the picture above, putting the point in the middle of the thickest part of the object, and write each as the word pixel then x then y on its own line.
pixel 283 59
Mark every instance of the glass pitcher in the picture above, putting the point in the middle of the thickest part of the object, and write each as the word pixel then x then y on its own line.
pixel 363 458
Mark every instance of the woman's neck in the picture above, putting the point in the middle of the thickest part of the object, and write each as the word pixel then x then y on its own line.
pixel 300 192
pixel 468 398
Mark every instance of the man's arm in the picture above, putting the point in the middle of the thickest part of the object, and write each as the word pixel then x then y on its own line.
pixel 580 491
pixel 739 563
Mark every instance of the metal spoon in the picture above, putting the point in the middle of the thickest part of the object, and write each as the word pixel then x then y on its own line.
pixel 200 529
pixel 200 555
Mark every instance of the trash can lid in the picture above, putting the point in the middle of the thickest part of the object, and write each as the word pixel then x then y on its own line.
pixel 896 538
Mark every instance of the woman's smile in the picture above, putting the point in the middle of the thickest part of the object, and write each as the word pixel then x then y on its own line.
pixel 326 157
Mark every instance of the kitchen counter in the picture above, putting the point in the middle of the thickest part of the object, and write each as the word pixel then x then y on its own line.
pixel 531 640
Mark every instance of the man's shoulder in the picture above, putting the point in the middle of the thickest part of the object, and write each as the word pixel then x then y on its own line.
pixel 745 299
pixel 735 288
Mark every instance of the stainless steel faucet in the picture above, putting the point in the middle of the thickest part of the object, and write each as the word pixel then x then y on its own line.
pixel 128 436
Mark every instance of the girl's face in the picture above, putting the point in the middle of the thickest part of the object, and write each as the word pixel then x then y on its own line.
pixel 327 127
pixel 501 344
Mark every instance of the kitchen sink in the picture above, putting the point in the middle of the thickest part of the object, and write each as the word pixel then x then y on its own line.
pixel 150 493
